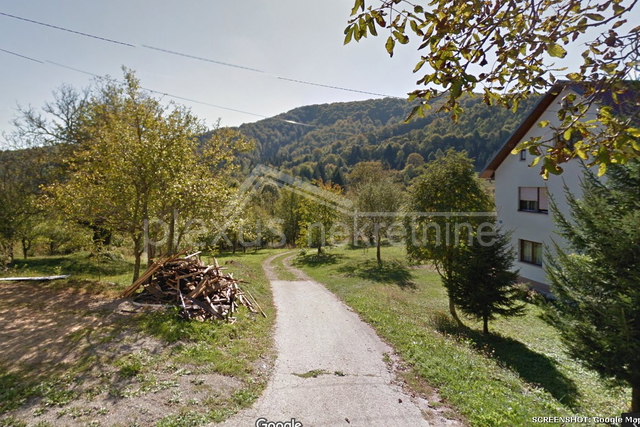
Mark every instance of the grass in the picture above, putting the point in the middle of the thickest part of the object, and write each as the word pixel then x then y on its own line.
pixel 519 372
pixel 241 350
pixel 281 271
pixel 88 271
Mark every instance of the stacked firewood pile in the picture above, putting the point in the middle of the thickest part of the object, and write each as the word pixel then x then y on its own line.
pixel 202 291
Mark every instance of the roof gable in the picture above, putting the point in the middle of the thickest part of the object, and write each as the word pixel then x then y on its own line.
pixel 626 104
pixel 521 130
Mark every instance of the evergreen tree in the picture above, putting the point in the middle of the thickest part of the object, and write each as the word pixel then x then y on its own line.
pixel 337 177
pixel 319 173
pixel 482 282
pixel 596 279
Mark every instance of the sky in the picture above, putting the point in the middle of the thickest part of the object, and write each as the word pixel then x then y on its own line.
pixel 295 39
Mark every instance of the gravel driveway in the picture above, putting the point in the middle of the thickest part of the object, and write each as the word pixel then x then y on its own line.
pixel 332 369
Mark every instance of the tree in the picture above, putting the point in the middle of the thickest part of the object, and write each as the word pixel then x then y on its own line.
pixel 289 210
pixel 377 195
pixel 483 283
pixel 142 161
pixel 415 160
pixel 338 177
pixel 596 277
pixel 317 216
pixel 506 48
pixel 449 200
pixel 22 172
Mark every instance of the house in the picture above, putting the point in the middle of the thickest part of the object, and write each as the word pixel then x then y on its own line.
pixel 522 195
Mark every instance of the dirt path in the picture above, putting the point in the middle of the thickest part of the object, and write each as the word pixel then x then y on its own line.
pixel 332 369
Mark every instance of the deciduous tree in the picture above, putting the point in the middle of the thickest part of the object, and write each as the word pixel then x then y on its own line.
pixel 449 204
pixel 377 197
pixel 141 160
pixel 509 49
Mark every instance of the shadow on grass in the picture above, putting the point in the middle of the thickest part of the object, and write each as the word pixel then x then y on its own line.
pixel 80 263
pixel 393 271
pixel 315 260
pixel 534 368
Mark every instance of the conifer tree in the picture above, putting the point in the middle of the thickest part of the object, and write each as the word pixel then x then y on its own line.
pixel 596 279
pixel 482 285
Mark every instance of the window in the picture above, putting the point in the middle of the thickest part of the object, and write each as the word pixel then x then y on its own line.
pixel 523 155
pixel 531 252
pixel 533 199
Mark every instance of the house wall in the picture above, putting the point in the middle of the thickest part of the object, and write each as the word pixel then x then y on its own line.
pixel 514 173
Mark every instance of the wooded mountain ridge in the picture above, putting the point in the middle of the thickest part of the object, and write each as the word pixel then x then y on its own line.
pixel 339 135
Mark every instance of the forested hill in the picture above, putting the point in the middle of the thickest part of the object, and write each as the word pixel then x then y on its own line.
pixel 343 134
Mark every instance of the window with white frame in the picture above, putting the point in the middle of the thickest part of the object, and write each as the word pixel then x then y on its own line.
pixel 533 199
pixel 531 252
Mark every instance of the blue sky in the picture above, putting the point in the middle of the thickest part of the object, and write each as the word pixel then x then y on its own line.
pixel 300 40
pixel 296 39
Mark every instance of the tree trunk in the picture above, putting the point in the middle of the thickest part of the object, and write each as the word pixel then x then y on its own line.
pixel 172 233
pixel 11 255
pixel 26 245
pixel 319 250
pixel 137 252
pixel 485 324
pixel 635 398
pixel 452 310
pixel 378 247
pixel 151 254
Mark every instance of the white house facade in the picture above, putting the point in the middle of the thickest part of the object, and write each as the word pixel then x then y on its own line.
pixel 522 195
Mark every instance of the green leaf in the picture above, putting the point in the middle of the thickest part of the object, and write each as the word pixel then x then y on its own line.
pixel 595 17
pixel 372 26
pixel 619 23
pixel 554 49
pixel 634 132
pixel 543 123
pixel 456 89
pixel 349 34
pixel 390 45
pixel 358 4
pixel 576 77
pixel 402 38
pixel 535 161
pixel 602 169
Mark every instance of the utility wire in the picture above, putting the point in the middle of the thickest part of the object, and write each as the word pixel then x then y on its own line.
pixel 57 64
pixel 199 58
pixel 335 87
pixel 21 56
pixel 67 30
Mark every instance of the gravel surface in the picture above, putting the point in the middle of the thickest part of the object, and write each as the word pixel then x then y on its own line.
pixel 332 369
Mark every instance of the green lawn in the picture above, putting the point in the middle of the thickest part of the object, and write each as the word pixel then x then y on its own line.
pixel 519 372
pixel 107 273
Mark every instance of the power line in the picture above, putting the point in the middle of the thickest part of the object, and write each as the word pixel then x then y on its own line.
pixel 200 58
pixel 334 87
pixel 66 29
pixel 21 56
pixel 162 93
